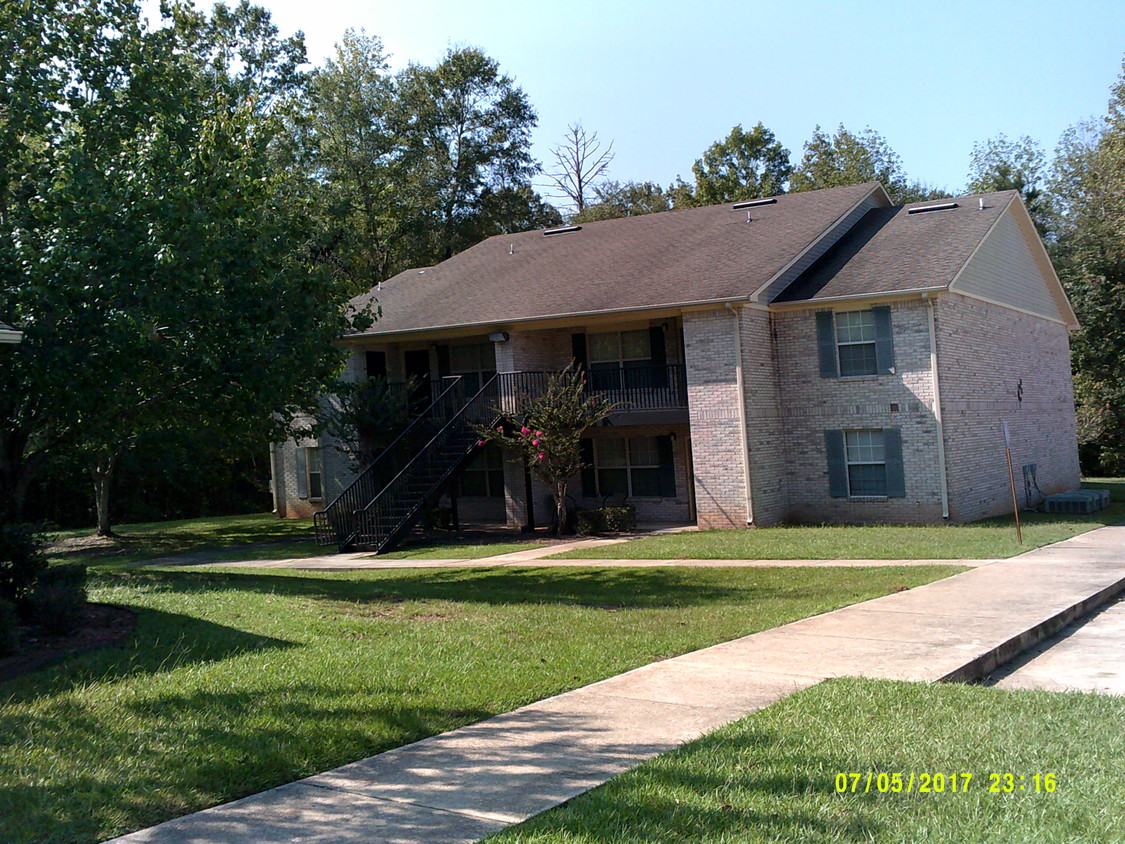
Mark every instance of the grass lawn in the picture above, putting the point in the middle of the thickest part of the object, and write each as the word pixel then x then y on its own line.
pixel 229 537
pixel 771 776
pixel 240 680
pixel 978 540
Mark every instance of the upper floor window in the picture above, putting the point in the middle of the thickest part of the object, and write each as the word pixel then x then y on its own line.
pixel 474 362
pixel 620 348
pixel 853 343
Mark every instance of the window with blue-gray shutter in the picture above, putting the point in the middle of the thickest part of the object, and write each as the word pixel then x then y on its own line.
pixel 865 463
pixel 855 343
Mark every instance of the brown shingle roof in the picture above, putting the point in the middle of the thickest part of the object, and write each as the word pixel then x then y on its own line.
pixel 891 250
pixel 634 263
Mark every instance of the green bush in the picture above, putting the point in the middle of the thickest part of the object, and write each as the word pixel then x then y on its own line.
pixel 56 602
pixel 606 520
pixel 22 561
pixel 9 628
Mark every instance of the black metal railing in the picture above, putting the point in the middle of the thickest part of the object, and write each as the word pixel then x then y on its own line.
pixel 387 497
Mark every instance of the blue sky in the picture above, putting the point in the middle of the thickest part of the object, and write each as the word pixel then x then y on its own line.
pixel 665 80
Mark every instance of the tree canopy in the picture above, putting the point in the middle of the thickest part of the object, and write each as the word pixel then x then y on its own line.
pixel 744 165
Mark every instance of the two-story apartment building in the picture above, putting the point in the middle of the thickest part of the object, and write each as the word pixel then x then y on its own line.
pixel 820 356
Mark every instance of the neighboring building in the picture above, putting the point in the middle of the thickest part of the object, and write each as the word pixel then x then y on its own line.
pixel 820 356
pixel 9 334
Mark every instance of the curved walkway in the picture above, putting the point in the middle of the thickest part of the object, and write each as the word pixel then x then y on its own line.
pixel 467 783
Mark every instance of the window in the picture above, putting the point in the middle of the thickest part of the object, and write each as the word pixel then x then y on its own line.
pixel 475 363
pixel 855 339
pixel 854 343
pixel 315 474
pixel 484 476
pixel 629 467
pixel 867 464
pixel 618 349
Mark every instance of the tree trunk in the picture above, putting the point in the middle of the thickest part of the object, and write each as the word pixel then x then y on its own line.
pixel 560 507
pixel 102 475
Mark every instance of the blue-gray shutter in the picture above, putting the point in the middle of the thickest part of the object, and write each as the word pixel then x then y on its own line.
pixel 667 467
pixel 826 344
pixel 892 456
pixel 884 341
pixel 589 482
pixel 578 350
pixel 837 465
pixel 302 474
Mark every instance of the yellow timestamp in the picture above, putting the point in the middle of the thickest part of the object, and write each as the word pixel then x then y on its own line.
pixel 938 782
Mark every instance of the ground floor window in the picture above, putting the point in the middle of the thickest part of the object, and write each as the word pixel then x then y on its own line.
pixel 484 476
pixel 630 467
pixel 315 474
pixel 865 463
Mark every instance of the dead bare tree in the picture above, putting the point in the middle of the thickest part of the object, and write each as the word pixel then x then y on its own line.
pixel 579 161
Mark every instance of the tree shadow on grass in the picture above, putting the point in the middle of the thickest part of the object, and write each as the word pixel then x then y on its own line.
pixel 162 642
pixel 651 588
pixel 181 762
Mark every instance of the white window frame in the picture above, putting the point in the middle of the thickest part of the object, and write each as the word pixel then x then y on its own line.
pixel 314 467
pixel 849 435
pixel 629 467
pixel 845 316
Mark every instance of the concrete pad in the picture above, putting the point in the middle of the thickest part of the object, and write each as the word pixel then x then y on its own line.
pixel 310 815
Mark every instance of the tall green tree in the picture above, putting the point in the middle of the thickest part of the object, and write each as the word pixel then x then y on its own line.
pixel 166 273
pixel 1001 163
pixel 470 131
pixel 855 158
pixel 1087 186
pixel 624 199
pixel 744 165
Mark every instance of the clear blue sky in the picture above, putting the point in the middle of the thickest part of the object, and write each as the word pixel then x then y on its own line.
pixel 664 80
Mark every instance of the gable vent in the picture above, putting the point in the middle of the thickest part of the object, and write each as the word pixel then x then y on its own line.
pixel 753 203
pixel 563 230
pixel 945 206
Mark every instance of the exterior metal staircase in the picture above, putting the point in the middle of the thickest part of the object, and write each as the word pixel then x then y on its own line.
pixel 388 497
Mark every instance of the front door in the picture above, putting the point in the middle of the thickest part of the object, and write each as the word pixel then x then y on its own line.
pixel 416 364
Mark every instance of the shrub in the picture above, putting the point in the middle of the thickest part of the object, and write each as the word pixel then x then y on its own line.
pixel 57 600
pixel 21 562
pixel 606 520
pixel 9 628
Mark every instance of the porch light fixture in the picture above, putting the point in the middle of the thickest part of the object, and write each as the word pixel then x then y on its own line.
pixel 500 337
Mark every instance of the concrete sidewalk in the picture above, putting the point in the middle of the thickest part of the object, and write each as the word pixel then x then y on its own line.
pixel 462 785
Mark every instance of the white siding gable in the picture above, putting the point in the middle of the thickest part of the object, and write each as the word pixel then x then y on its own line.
pixel 1010 268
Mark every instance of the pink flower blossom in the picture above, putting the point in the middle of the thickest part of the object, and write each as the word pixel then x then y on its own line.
pixel 538 433
pixel 542 455
pixel 480 443
pixel 525 431
pixel 500 428
pixel 535 442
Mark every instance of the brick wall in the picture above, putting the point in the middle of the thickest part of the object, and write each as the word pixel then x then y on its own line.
pixel 764 424
pixel 812 404
pixel 710 339
pixel 986 353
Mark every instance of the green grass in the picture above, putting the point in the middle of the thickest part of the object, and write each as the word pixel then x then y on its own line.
pixel 978 540
pixel 458 551
pixel 258 535
pixel 239 680
pixel 771 777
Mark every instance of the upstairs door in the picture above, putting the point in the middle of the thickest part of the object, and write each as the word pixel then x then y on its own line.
pixel 416 364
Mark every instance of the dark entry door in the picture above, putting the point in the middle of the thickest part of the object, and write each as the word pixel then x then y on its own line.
pixel 416 363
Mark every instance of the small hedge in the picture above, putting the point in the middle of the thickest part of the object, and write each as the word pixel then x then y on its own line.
pixel 22 561
pixel 56 602
pixel 9 628
pixel 606 520
pixel 32 592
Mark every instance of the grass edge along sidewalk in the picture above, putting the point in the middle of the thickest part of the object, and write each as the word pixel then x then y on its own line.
pixel 771 776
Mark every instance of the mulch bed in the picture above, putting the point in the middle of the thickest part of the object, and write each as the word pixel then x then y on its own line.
pixel 102 626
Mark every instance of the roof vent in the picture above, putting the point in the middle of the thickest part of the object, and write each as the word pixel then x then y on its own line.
pixel 754 203
pixel 563 230
pixel 945 206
